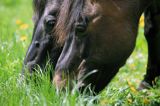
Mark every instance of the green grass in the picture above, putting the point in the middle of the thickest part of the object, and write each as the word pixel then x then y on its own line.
pixel 14 40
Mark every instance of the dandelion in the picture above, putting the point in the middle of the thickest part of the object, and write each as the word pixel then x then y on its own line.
pixel 141 21
pixel 18 22
pixel 130 100
pixel 132 88
pixel 132 66
pixel 24 26
pixel 129 83
pixel 104 102
pixel 146 101
pixel 23 38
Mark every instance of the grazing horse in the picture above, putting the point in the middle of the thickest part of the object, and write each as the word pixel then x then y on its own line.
pixel 43 40
pixel 98 37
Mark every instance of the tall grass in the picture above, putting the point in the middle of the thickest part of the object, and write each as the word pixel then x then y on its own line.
pixel 15 35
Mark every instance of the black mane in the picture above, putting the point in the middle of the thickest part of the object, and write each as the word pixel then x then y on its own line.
pixel 38 6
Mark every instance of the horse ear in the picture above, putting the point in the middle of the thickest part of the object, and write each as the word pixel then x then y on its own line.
pixel 38 7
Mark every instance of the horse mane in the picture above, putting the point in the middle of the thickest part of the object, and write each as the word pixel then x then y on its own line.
pixel 38 7
pixel 69 12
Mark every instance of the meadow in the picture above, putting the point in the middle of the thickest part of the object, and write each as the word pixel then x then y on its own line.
pixel 15 35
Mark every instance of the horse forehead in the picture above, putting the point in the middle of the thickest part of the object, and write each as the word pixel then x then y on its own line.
pixel 51 7
pixel 52 4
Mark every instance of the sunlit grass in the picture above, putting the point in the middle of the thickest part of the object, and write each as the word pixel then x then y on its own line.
pixel 15 34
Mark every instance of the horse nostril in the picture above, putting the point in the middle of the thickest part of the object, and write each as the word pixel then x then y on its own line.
pixel 37 44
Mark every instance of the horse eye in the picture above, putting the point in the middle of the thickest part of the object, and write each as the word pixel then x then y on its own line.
pixel 80 28
pixel 49 22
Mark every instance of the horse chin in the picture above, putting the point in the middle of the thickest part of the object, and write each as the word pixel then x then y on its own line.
pixel 31 66
pixel 59 81
pixel 62 79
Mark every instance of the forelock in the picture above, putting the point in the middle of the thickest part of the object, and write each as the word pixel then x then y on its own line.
pixel 69 13
pixel 38 6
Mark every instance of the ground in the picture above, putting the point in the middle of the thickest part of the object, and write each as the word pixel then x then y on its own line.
pixel 15 35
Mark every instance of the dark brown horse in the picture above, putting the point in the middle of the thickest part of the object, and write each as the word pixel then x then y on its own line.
pixel 43 43
pixel 99 36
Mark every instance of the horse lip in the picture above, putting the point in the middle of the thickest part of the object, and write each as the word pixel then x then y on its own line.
pixel 30 65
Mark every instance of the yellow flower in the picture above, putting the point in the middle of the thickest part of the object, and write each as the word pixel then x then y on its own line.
pixel 133 89
pixel 24 26
pixel 129 83
pixel 146 101
pixel 130 100
pixel 104 102
pixel 18 22
pixel 141 21
pixel 23 38
pixel 132 66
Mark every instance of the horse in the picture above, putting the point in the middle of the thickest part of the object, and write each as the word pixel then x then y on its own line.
pixel 43 44
pixel 98 37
